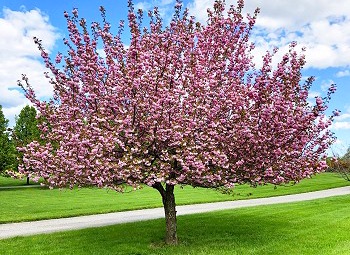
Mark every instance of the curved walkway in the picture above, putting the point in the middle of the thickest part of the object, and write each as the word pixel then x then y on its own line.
pixel 55 225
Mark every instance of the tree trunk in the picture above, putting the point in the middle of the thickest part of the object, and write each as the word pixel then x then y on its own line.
pixel 27 180
pixel 170 215
pixel 168 198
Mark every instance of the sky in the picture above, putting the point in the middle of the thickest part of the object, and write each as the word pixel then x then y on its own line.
pixel 322 26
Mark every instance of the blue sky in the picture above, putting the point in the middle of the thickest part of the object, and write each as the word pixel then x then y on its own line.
pixel 322 26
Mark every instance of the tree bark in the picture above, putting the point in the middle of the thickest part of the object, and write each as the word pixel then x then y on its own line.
pixel 168 199
pixel 27 180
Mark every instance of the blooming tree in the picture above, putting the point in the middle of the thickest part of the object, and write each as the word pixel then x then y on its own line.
pixel 182 104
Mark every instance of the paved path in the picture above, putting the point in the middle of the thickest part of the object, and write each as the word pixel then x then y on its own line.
pixel 55 225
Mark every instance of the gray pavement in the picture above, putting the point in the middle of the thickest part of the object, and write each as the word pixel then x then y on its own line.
pixel 55 225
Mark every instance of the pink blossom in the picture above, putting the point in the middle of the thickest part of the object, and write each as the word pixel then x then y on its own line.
pixel 183 104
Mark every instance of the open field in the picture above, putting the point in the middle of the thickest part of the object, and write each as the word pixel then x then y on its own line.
pixel 40 203
pixel 312 227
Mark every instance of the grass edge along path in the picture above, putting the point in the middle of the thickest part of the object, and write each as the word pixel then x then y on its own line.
pixel 307 228
pixel 63 224
pixel 37 203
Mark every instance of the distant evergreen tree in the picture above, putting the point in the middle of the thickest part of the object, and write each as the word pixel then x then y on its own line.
pixel 26 129
pixel 7 149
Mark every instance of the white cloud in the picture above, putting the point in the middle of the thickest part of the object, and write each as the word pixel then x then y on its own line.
pixel 19 55
pixel 101 53
pixel 145 6
pixel 325 84
pixel 342 122
pixel 313 94
pixel 343 116
pixel 338 142
pixel 322 26
pixel 338 148
pixel 311 97
pixel 343 73
pixel 165 7
pixel 341 125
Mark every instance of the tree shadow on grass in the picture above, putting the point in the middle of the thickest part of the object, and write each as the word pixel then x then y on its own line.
pixel 14 188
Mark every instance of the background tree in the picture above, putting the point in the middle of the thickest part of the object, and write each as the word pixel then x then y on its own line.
pixel 347 154
pixel 7 150
pixel 341 165
pixel 344 165
pixel 183 104
pixel 26 130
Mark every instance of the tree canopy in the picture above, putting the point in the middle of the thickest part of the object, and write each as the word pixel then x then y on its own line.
pixel 26 128
pixel 182 104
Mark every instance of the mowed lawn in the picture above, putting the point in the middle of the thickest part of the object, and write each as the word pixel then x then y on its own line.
pixel 24 204
pixel 318 227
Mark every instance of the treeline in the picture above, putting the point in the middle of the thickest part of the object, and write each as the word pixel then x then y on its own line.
pixel 24 132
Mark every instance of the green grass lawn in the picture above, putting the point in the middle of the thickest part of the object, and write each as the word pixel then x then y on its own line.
pixel 21 204
pixel 318 227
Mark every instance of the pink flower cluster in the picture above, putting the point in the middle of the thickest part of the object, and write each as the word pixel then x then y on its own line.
pixel 181 105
